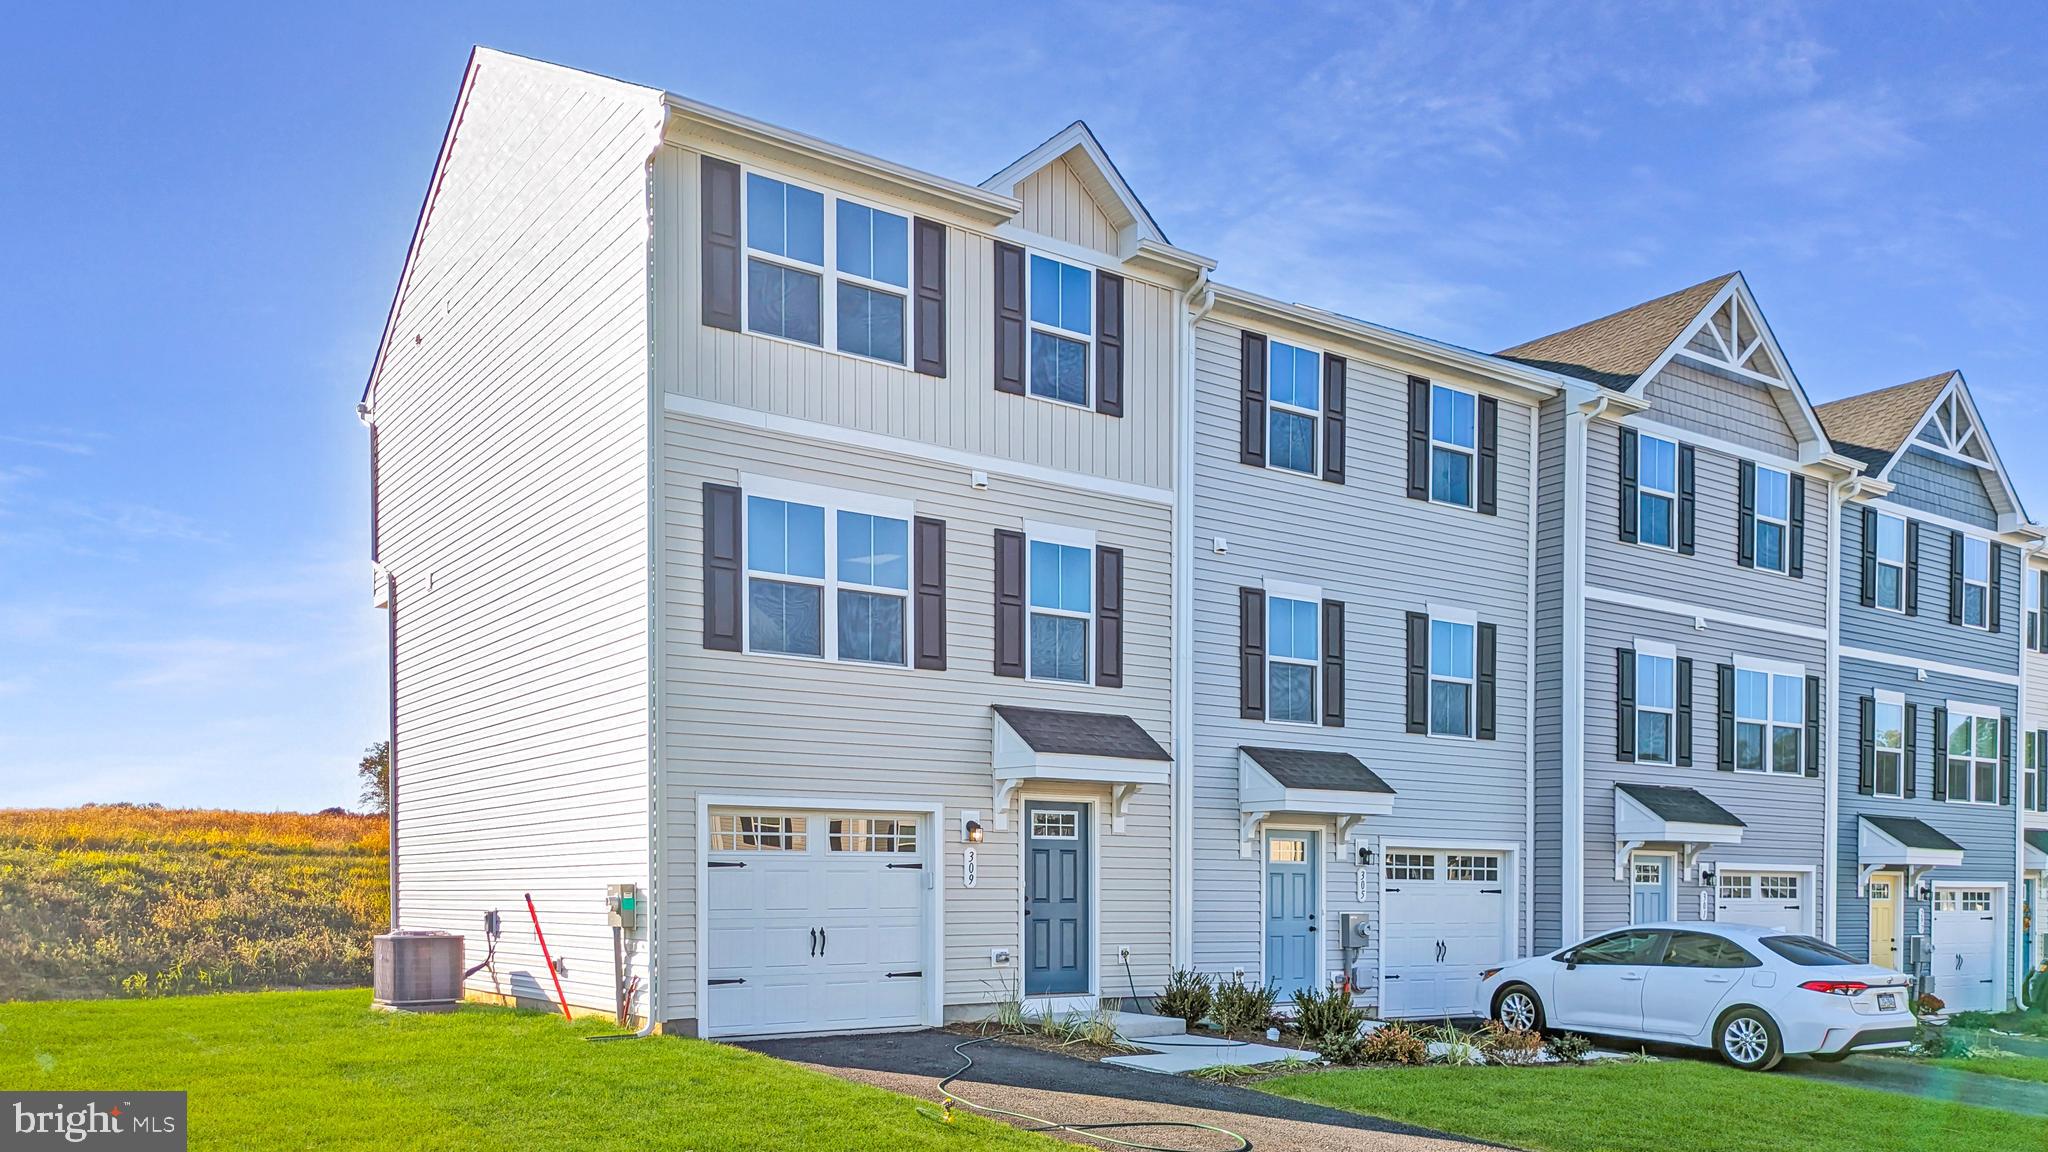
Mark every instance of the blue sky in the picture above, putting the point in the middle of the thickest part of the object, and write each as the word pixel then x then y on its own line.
pixel 205 210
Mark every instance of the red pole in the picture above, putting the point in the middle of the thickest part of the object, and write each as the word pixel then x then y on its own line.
pixel 549 959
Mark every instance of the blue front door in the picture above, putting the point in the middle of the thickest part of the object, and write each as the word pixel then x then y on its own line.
pixel 1055 899
pixel 1651 888
pixel 1291 911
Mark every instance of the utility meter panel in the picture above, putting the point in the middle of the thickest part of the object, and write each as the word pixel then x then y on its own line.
pixel 622 905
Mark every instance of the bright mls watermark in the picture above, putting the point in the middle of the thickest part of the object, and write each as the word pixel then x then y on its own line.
pixel 140 1121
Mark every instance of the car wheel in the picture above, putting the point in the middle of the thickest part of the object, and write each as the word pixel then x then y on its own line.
pixel 1517 1007
pixel 1748 1040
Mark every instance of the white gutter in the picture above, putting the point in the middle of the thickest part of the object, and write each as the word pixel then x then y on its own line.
pixel 1190 307
pixel 1528 856
pixel 656 621
pixel 1831 702
pixel 2015 942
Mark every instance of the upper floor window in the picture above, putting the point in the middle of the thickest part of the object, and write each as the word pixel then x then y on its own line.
pixel 1451 678
pixel 1062 329
pixel 1657 491
pixel 1976 582
pixel 1061 592
pixel 1888 746
pixel 826 583
pixel 1773 518
pixel 1972 758
pixel 1293 630
pixel 2034 787
pixel 1656 705
pixel 1453 444
pixel 1891 562
pixel 1770 720
pixel 872 255
pixel 1295 385
pixel 789 281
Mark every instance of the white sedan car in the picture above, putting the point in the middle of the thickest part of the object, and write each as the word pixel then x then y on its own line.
pixel 1754 995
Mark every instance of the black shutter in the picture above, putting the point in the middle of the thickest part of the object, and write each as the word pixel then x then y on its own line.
pixel 1912 567
pixel 1796 543
pixel 1625 703
pixel 1955 577
pixel 1418 438
pixel 1813 725
pixel 1940 743
pixel 1489 455
pixel 1109 617
pixel 1631 480
pixel 1688 502
pixel 1010 330
pixel 1745 532
pixel 1866 746
pixel 2041 608
pixel 1109 344
pixel 1724 718
pixel 1867 594
pixel 1335 384
pixel 929 611
pixel 723 595
pixel 2005 759
pixel 1682 715
pixel 1251 653
pixel 1485 707
pixel 928 333
pixel 1418 672
pixel 1912 757
pixel 719 247
pixel 1333 663
pixel 1991 610
pixel 1251 403
pixel 1011 624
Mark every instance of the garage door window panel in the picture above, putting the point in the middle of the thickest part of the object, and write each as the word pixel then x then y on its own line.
pixel 1411 866
pixel 865 834
pixel 1478 869
pixel 749 833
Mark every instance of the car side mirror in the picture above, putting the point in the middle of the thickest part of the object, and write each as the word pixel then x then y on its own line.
pixel 1569 959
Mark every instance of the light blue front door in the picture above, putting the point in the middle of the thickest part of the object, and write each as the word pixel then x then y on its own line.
pixel 1652 887
pixel 1291 911
pixel 1055 899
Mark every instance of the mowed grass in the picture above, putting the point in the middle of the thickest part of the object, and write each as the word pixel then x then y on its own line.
pixel 321 1070
pixel 2033 1068
pixel 1669 1106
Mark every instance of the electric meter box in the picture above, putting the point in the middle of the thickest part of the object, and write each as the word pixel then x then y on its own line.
pixel 622 905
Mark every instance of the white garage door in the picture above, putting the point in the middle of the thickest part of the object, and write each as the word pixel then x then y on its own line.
pixel 815 922
pixel 1779 900
pixel 1444 917
pixel 1963 961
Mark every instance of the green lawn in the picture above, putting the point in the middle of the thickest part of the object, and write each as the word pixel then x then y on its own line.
pixel 320 1070
pixel 1669 1106
pixel 2011 1067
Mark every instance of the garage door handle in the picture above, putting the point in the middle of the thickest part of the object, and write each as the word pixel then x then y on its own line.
pixel 1490 891
pixel 722 983
pixel 906 865
pixel 821 941
pixel 814 941
pixel 902 975
pixel 725 864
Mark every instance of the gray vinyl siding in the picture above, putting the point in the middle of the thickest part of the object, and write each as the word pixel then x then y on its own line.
pixel 1942 486
pixel 1366 544
pixel 1929 633
pixel 1546 856
pixel 1693 396
pixel 1783 814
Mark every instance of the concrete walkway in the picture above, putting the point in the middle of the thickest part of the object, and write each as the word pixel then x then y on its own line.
pixel 1061 1088
pixel 1934 1083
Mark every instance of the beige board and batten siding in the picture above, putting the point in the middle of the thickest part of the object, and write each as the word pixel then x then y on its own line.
pixel 736 723
pixel 961 412
pixel 1057 204
pixel 511 408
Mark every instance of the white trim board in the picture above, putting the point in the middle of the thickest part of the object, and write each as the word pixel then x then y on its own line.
pixel 1942 666
pixel 1699 612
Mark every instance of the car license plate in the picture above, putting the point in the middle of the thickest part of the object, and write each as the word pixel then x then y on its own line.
pixel 1887 1001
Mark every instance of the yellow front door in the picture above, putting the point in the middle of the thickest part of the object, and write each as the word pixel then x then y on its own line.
pixel 1884 920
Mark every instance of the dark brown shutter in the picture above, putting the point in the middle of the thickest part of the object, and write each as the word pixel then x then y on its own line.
pixel 2005 759
pixel 723 595
pixel 1992 613
pixel 719 193
pixel 1866 746
pixel 1745 537
pixel 1688 502
pixel 2041 609
pixel 1251 653
pixel 929 316
pixel 1955 577
pixel 1625 704
pixel 1109 617
pixel 1912 757
pixel 1010 333
pixel 1912 567
pixel 1109 344
pixel 1682 714
pixel 1010 617
pixel 1489 455
pixel 1795 547
pixel 1333 663
pixel 1940 743
pixel 1815 706
pixel 1335 384
pixel 1724 717
pixel 1251 391
pixel 1631 488
pixel 1486 706
pixel 1867 593
pixel 1418 438
pixel 1418 672
pixel 929 560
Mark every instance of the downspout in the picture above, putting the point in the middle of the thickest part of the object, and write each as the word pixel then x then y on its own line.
pixel 1572 721
pixel 2017 938
pixel 1528 858
pixel 366 413
pixel 1831 701
pixel 656 622
pixel 1191 307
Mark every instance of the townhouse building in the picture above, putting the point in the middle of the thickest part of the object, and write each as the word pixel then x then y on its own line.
pixel 2032 926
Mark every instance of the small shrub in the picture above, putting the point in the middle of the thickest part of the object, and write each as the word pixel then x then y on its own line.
pixel 1099 1028
pixel 1241 1008
pixel 2037 995
pixel 1326 1014
pixel 1458 1047
pixel 1188 995
pixel 1935 1041
pixel 1511 1046
pixel 1570 1047
pixel 1337 1049
pixel 1976 1021
pixel 1393 1044
pixel 1227 1073
pixel 1009 1013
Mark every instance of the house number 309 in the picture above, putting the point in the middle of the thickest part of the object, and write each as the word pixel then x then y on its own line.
pixel 970 867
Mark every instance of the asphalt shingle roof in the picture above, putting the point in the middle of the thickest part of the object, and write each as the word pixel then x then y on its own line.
pixel 1873 427
pixel 1081 733
pixel 2037 839
pixel 1329 771
pixel 1680 805
pixel 1614 351
pixel 1914 833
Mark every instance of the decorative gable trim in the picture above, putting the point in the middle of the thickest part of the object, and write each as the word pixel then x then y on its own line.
pixel 1951 429
pixel 1091 165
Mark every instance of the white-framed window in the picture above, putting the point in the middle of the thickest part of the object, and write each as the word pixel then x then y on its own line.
pixel 2034 790
pixel 828 575
pixel 1656 491
pixel 1055 824
pixel 1452 682
pixel 1770 718
pixel 748 832
pixel 1648 870
pixel 1780 887
pixel 1772 546
pixel 1972 756
pixel 1656 703
pixel 1891 562
pixel 1060 589
pixel 1294 406
pixel 1962 900
pixel 1888 745
pixel 1736 886
pixel 1453 445
pixel 1287 849
pixel 1062 311
pixel 1293 653
pixel 1480 869
pixel 826 270
pixel 871 834
pixel 1411 866
pixel 1976 582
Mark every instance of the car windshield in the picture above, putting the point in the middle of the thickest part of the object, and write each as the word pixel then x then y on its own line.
pixel 1808 952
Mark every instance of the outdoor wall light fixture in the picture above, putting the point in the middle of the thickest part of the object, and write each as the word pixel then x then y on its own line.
pixel 1364 856
pixel 970 827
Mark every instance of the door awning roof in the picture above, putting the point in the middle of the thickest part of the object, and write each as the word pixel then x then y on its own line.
pixel 2037 850
pixel 1662 814
pixel 1102 748
pixel 1902 842
pixel 1306 782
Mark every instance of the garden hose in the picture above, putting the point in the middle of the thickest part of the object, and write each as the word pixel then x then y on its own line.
pixel 1089 1131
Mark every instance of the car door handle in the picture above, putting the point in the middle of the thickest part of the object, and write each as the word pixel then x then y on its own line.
pixel 1632 979
pixel 1717 980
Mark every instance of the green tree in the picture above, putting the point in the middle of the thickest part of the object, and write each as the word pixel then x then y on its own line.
pixel 375 772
